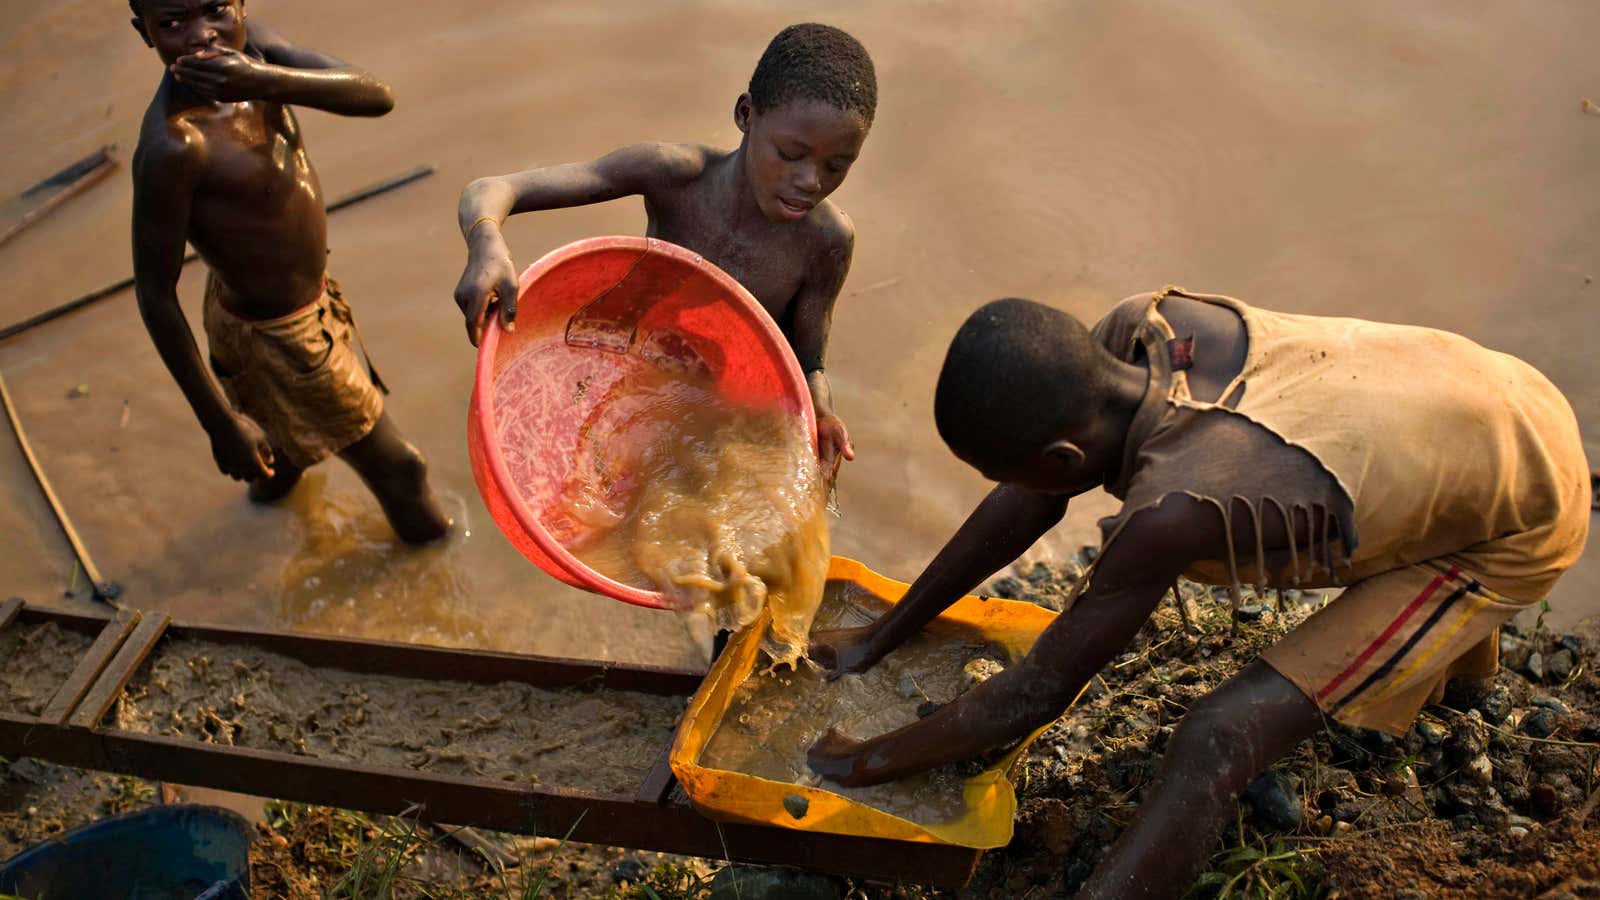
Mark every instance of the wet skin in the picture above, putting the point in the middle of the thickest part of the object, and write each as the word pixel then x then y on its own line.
pixel 1225 739
pixel 221 165
pixel 759 212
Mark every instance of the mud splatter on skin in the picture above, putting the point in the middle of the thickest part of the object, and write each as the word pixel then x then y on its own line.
pixel 33 664
pixel 601 741
pixel 775 717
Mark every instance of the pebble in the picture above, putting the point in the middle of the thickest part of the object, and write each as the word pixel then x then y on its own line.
pixel 1535 666
pixel 1400 782
pixel 1572 642
pixel 1541 723
pixel 1250 612
pixel 1274 801
pixel 1517 831
pixel 757 883
pixel 1495 705
pixel 1549 702
pixel 1546 801
pixel 1514 651
pixel 1465 822
pixel 796 806
pixel 1323 826
pixel 632 871
pixel 1480 769
pixel 1560 665
pixel 1431 733
pixel 1007 588
pixel 1519 822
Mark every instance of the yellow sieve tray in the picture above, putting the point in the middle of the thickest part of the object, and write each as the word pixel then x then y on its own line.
pixel 991 800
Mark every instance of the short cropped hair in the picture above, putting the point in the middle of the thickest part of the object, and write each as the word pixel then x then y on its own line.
pixel 816 62
pixel 1017 376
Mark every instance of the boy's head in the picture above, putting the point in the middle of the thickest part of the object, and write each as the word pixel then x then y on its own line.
pixel 1023 397
pixel 811 101
pixel 177 28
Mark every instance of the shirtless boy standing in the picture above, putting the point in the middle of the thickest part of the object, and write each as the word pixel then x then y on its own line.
pixel 759 212
pixel 221 165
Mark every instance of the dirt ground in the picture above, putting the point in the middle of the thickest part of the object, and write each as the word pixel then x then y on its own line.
pixel 1426 163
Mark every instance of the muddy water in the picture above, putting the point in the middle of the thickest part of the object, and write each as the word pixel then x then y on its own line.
pixel 600 741
pixel 1422 162
pixel 34 661
pixel 722 508
pixel 775 717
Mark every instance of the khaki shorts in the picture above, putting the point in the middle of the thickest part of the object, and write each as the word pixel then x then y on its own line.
pixel 299 377
pixel 1386 646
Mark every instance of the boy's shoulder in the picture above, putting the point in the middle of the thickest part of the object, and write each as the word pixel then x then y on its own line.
pixel 168 141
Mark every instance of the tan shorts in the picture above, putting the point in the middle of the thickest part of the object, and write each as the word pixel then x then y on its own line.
pixel 1381 650
pixel 299 377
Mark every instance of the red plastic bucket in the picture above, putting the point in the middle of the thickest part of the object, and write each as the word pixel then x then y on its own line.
pixel 588 315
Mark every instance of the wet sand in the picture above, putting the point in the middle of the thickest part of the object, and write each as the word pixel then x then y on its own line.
pixel 1420 163
pixel 601 741
pixel 34 661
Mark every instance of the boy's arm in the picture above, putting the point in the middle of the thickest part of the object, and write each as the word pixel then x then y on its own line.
pixel 1128 581
pixel 490 277
pixel 813 318
pixel 285 74
pixel 1002 528
pixel 163 185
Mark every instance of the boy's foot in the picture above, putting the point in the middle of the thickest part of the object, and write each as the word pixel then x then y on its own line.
pixel 275 488
pixel 398 476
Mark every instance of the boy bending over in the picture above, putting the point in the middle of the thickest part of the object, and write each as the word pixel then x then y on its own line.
pixel 1442 483
pixel 759 212
pixel 221 165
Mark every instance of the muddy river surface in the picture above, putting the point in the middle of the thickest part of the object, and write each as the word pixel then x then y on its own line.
pixel 1427 163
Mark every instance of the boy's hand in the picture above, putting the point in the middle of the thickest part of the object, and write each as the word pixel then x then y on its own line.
pixel 224 74
pixel 242 450
pixel 847 651
pixel 837 758
pixel 490 280
pixel 833 444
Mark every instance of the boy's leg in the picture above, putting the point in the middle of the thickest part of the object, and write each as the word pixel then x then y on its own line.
pixel 398 476
pixel 284 477
pixel 1223 742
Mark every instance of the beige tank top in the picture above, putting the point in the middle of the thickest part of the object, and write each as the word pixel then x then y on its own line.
pixel 1397 444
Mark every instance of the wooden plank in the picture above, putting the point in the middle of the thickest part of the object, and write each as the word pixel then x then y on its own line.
pixel 659 780
pixel 129 657
pixel 8 611
pixel 89 668
pixel 38 201
pixel 441 664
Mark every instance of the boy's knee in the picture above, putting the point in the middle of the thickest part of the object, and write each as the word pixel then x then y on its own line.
pixel 1213 742
pixel 405 466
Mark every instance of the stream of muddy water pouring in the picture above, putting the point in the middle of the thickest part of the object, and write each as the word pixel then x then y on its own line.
pixel 719 506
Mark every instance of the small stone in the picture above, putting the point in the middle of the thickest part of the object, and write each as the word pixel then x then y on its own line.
pixel 1514 651
pixel 1250 612
pixel 1574 643
pixel 629 870
pixel 1558 668
pixel 1590 734
pixel 1465 822
pixel 927 708
pixel 1495 705
pixel 1342 827
pixel 979 670
pixel 1549 702
pixel 1479 769
pixel 1432 735
pixel 760 883
pixel 1008 588
pixel 1519 822
pixel 1401 781
pixel 1541 723
pixel 1535 666
pixel 1274 802
pixel 1323 825
pixel 908 688
pixel 796 805
pixel 1517 831
pixel 1544 798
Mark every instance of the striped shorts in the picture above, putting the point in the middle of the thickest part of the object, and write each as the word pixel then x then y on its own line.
pixel 1375 654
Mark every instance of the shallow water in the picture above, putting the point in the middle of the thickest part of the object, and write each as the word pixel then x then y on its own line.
pixel 1423 162
pixel 775 717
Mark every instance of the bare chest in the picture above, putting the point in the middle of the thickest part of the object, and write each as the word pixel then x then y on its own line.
pixel 769 264
pixel 255 163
